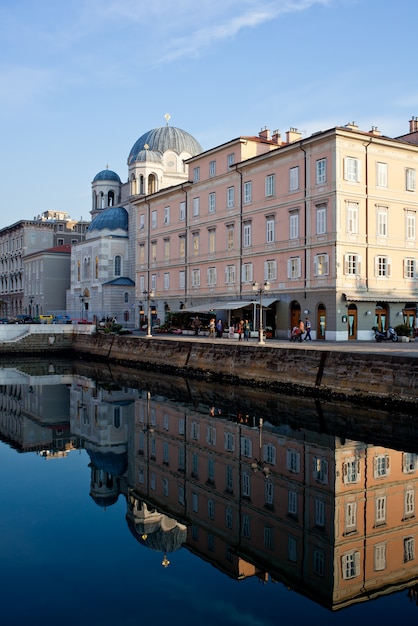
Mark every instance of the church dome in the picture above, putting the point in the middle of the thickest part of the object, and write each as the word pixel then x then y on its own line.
pixel 107 175
pixel 114 218
pixel 163 139
pixel 149 156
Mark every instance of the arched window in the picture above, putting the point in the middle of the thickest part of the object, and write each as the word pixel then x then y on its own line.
pixel 78 271
pixel 118 265
pixel 111 198
pixel 96 267
pixel 126 296
pixel 86 268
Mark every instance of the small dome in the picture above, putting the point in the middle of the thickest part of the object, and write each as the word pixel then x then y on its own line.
pixel 113 218
pixel 163 139
pixel 149 155
pixel 107 175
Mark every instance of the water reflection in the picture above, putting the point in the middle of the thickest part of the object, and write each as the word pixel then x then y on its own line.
pixel 318 497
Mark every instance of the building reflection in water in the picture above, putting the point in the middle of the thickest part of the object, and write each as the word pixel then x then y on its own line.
pixel 254 494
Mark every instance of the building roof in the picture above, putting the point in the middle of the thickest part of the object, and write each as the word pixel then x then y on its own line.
pixel 163 139
pixel 113 218
pixel 121 280
pixel 107 175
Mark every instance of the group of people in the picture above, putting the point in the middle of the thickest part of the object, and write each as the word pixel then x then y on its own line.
pixel 303 328
pixel 217 327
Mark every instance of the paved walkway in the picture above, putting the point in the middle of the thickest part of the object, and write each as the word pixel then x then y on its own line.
pixel 409 350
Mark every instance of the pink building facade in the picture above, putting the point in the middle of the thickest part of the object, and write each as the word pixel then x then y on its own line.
pixel 328 221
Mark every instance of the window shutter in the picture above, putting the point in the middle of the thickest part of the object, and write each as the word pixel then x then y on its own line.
pixel 326 264
pixel 315 266
pixel 376 266
pixel 359 265
pixel 346 264
pixel 359 170
pixel 357 563
pixel 389 266
pixel 299 265
pixel 405 268
pixel 345 169
pixel 289 268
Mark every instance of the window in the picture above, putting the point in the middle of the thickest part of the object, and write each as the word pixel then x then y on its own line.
pixel 230 274
pixel 350 565
pixel 195 502
pixel 382 174
pixel 409 503
pixel 410 266
pixel 181 426
pixel 166 249
pixel 229 440
pixel 246 447
pixel 212 202
pixel 182 459
pixel 320 470
pixel 154 281
pixel 230 197
pixel 60 242
pixel 166 455
pixel 166 280
pixel 409 462
pixel 180 494
pixel 294 178
pixel 292 503
pixel 379 557
pixel 269 453
pixel 350 517
pixel 292 554
pixel 408 549
pixel 294 225
pixel 247 273
pixel 166 215
pixel 212 240
pixel 293 461
pixel 268 537
pixel 270 185
pixel 246 527
pixel 195 278
pixel 196 174
pixel 270 230
pixel 381 466
pixel 321 219
pixel 211 471
pixel 247 235
pixel 211 276
pixel 229 483
pixel 196 207
pixel 351 471
pixel 319 562
pixel 321 264
pixel 352 218
pixel 294 267
pixel 410 179
pixel 182 213
pixel 380 510
pixel 269 492
pixel 195 465
pixel 196 240
pixel 141 253
pixel 154 219
pixel 212 168
pixel 319 513
pixel 410 225
pixel 182 279
pixel 230 237
pixel 382 266
pixel 142 221
pixel 352 169
pixel 382 222
pixel 118 265
pixel 352 264
pixel 228 517
pixel 182 246
pixel 153 251
pixel 246 485
pixel 231 159
pixel 211 435
pixel 270 270
pixel 248 192
pixel 321 171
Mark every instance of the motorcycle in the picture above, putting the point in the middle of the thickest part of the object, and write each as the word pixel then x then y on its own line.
pixel 389 335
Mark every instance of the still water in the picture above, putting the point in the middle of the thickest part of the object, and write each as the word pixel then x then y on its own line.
pixel 128 497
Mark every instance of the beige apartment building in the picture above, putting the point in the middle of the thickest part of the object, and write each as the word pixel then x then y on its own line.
pixel 326 225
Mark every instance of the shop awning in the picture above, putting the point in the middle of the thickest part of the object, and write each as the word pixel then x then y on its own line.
pixel 231 305
pixel 367 297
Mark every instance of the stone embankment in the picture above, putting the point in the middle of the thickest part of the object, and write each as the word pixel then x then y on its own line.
pixel 364 377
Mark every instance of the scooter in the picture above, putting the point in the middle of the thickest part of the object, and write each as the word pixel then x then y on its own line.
pixel 380 335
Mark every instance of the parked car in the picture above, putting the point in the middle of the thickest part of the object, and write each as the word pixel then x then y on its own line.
pixel 24 319
pixel 4 320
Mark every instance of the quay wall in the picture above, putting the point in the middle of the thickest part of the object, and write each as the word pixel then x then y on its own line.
pixel 361 377
pixel 40 338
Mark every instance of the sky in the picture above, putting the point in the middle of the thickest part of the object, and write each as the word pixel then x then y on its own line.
pixel 82 80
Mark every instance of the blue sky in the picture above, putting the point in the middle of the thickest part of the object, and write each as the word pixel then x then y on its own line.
pixel 81 80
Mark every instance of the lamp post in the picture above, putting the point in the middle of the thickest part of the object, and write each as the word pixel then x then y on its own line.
pixel 30 305
pixel 260 290
pixel 259 464
pixel 81 307
pixel 149 295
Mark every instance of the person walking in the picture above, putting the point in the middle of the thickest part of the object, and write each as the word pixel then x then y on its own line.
pixel 240 330
pixel 196 325
pixel 301 330
pixel 212 327
pixel 308 329
pixel 247 330
pixel 219 328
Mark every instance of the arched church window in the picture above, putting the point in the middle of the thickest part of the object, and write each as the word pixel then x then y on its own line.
pixel 86 268
pixel 141 184
pixel 126 296
pixel 111 198
pixel 118 265
pixel 102 202
pixel 96 267
pixel 152 187
pixel 78 271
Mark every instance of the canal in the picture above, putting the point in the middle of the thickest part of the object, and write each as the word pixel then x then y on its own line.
pixel 129 497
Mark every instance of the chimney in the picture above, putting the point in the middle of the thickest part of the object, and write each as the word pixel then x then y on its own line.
pixel 413 124
pixel 276 137
pixel 264 133
pixel 375 131
pixel 293 135
pixel 352 126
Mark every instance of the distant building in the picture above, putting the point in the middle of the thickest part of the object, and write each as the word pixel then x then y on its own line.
pixel 47 278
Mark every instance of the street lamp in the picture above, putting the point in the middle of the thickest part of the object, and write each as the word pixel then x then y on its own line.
pixel 81 306
pixel 260 290
pixel 258 464
pixel 30 305
pixel 149 295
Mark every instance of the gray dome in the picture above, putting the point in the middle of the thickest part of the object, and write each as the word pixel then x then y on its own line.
pixel 150 156
pixel 165 138
pixel 107 175
pixel 110 219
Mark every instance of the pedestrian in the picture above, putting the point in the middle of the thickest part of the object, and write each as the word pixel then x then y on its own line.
pixel 219 328
pixel 196 325
pixel 308 329
pixel 212 327
pixel 301 330
pixel 240 330
pixel 247 330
